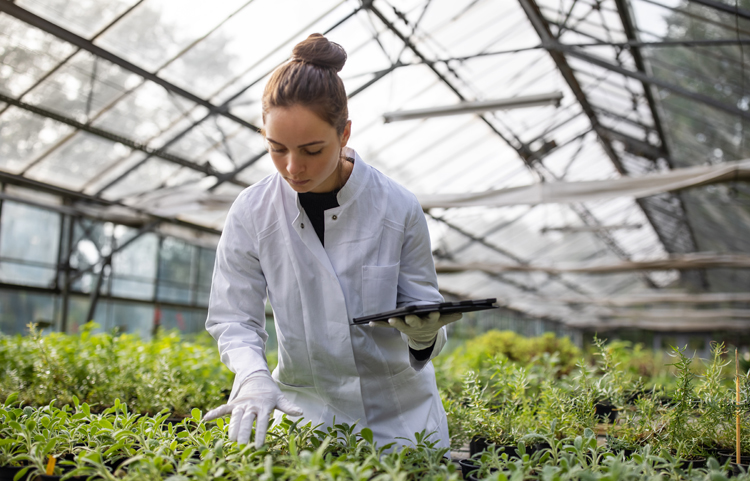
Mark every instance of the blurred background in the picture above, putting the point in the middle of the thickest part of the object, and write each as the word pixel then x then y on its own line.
pixel 590 172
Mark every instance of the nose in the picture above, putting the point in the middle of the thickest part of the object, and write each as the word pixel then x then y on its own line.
pixel 295 165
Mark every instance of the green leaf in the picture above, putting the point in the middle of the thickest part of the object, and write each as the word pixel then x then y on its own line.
pixel 21 474
pixel 186 454
pixel 11 398
pixel 366 434
pixel 196 414
pixel 50 445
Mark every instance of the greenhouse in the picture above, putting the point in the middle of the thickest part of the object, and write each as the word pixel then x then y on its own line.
pixel 203 205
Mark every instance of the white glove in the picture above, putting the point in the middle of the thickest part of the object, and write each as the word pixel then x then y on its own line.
pixel 258 397
pixel 421 331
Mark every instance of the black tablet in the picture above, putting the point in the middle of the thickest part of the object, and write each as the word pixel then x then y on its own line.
pixel 424 309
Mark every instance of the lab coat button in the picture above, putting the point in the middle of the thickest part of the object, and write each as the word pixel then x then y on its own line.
pixel 302 224
pixel 334 217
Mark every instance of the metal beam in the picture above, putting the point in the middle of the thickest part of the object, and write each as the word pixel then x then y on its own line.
pixel 635 44
pixel 630 30
pixel 204 168
pixel 96 201
pixel 542 28
pixel 14 10
pixel 698 260
pixel 664 298
pixel 523 150
pixel 638 147
pixel 667 237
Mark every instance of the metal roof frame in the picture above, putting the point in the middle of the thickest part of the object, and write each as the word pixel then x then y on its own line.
pixel 629 154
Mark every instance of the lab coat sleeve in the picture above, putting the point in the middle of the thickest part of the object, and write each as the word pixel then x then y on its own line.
pixel 236 307
pixel 417 280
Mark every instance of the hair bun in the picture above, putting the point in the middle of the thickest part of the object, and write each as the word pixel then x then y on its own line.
pixel 318 50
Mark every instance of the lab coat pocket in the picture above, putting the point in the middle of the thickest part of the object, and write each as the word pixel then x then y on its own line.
pixel 417 398
pixel 379 288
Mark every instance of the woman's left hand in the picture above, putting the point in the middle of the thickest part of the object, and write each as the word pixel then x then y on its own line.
pixel 421 331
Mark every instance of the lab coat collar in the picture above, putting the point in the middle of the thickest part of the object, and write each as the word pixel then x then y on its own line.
pixel 357 180
pixel 353 187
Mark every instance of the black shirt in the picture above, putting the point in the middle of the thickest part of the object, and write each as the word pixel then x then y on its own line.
pixel 315 205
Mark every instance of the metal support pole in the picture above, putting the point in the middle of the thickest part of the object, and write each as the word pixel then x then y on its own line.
pixel 94 298
pixel 63 263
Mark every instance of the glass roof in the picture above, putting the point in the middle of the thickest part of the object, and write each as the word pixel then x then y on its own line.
pixel 125 100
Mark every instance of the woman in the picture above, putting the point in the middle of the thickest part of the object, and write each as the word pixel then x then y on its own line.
pixel 327 238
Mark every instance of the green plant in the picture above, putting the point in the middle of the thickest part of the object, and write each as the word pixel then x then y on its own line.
pixel 680 435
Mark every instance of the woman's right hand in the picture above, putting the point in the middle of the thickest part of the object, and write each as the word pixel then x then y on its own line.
pixel 257 398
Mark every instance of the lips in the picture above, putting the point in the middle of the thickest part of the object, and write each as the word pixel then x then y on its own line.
pixel 297 182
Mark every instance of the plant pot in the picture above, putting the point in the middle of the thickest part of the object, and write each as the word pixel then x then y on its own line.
pixel 510 449
pixel 737 469
pixel 467 466
pixel 606 412
pixel 698 462
pixel 472 477
pixel 7 473
pixel 538 447
pixel 725 455
pixel 477 445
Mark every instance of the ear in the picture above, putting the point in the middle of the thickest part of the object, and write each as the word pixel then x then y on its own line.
pixel 346 133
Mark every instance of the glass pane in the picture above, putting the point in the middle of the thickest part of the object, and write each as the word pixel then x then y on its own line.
pixel 145 113
pixel 77 161
pixel 184 320
pixel 26 55
pixel 206 258
pixel 27 275
pixel 112 316
pixel 25 136
pixel 146 178
pixel 134 268
pixel 29 233
pixel 79 16
pixel 82 87
pixel 78 309
pixel 158 30
pixel 18 308
pixel 133 318
pixel 176 271
pixel 224 54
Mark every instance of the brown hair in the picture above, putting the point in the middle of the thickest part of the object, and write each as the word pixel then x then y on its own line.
pixel 311 79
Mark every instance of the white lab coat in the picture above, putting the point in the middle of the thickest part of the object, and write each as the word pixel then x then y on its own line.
pixel 377 257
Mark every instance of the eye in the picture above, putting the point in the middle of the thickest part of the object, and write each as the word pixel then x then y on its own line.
pixel 313 153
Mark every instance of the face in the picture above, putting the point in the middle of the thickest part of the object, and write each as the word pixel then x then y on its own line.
pixel 305 148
